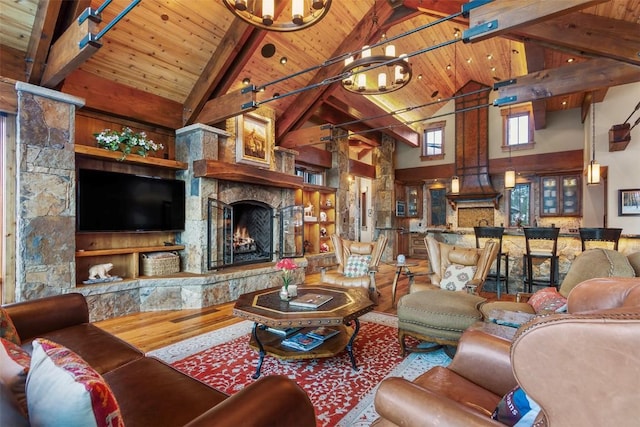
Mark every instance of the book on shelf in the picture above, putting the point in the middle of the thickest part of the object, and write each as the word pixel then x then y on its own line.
pixel 310 300
pixel 301 342
pixel 283 332
pixel 323 333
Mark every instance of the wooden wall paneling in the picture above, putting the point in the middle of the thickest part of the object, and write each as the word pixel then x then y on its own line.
pixel 88 123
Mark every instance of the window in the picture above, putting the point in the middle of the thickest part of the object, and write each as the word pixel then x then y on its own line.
pixel 433 141
pixel 518 128
pixel 520 205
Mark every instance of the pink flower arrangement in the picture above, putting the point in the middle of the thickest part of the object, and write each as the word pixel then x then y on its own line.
pixel 287 266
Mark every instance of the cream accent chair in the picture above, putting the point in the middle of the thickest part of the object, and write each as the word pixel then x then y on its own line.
pixel 442 255
pixel 431 314
pixel 343 249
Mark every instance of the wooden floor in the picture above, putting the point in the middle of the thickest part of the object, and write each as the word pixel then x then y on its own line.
pixel 156 329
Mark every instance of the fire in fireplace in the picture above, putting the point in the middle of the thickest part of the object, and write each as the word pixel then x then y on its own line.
pixel 252 232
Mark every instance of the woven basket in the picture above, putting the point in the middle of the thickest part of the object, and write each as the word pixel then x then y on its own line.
pixel 160 263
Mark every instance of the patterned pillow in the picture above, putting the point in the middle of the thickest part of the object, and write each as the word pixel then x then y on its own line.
pixel 456 276
pixel 357 265
pixel 63 390
pixel 14 363
pixel 548 300
pixel 516 409
pixel 7 329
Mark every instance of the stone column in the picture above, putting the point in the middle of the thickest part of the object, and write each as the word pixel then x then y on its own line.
pixel 197 142
pixel 383 188
pixel 46 185
pixel 338 177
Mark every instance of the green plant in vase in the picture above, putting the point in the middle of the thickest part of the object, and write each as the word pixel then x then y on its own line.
pixel 127 141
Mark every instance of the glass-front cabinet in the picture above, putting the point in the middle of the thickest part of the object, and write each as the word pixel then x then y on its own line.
pixel 560 195
pixel 414 201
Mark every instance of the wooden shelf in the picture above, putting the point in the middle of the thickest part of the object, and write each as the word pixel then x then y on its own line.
pixel 101 153
pixel 121 251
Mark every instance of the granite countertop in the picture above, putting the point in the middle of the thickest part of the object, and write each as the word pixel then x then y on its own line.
pixel 509 232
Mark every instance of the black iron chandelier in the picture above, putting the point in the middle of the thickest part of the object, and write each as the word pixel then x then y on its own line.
pixel 262 13
pixel 376 74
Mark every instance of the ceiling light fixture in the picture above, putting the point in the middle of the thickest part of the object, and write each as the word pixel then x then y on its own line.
pixel 376 74
pixel 372 74
pixel 262 13
pixel 593 168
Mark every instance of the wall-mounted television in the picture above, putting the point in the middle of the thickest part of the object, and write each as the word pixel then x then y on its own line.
pixel 112 201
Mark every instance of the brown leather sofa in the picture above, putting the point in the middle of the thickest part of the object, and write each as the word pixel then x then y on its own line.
pixel 149 391
pixel 581 368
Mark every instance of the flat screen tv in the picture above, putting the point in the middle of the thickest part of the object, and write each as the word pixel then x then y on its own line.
pixel 112 201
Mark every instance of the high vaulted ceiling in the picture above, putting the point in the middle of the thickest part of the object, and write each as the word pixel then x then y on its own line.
pixel 167 61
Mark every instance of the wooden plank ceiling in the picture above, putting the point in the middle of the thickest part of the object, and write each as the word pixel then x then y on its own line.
pixel 166 59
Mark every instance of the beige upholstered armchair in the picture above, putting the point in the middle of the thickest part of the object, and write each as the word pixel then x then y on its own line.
pixel 357 264
pixel 442 256
pixel 440 310
pixel 580 368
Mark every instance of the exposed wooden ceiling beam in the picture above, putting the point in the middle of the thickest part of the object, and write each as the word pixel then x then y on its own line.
pixel 359 107
pixel 535 62
pixel 585 33
pixel 585 76
pixel 41 38
pixel 307 136
pixel 103 95
pixel 66 54
pixel 225 64
pixel 503 16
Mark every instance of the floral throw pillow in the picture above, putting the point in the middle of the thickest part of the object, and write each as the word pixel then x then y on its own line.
pixel 357 265
pixel 63 390
pixel 548 300
pixel 14 367
pixel 516 409
pixel 456 277
pixel 7 329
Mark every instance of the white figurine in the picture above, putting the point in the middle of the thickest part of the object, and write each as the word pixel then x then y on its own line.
pixel 308 210
pixel 100 271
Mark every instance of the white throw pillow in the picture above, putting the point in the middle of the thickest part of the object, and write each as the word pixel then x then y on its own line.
pixel 63 390
pixel 456 276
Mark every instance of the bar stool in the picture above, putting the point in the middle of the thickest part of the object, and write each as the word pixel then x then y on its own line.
pixel 600 235
pixel 496 233
pixel 541 254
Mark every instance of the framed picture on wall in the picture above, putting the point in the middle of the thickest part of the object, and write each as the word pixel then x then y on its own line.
pixel 254 142
pixel 629 202
pixel 401 208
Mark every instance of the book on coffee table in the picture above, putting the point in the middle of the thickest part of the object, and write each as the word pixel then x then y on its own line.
pixel 310 300
pixel 283 332
pixel 301 342
pixel 323 333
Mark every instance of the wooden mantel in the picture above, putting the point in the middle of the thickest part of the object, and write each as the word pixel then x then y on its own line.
pixel 245 173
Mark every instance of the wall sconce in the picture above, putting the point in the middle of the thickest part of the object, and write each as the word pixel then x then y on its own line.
pixel 455 184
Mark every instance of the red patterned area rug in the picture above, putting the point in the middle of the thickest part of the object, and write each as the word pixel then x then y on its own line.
pixel 340 395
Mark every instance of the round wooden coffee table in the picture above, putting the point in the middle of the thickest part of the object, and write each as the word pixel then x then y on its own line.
pixel 267 310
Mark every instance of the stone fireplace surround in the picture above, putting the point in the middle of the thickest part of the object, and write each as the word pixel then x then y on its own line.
pixel 45 231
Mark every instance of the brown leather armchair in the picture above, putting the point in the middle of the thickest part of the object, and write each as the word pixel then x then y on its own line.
pixel 344 248
pixel 581 368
